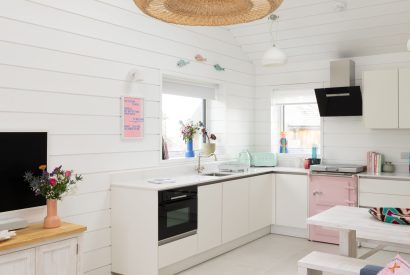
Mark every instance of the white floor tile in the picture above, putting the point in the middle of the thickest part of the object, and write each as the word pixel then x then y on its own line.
pixel 272 255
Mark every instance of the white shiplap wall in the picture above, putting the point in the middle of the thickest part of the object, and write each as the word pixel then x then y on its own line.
pixel 63 68
pixel 345 139
pixel 313 30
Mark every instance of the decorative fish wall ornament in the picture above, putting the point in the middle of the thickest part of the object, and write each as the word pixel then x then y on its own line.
pixel 200 58
pixel 182 63
pixel 219 68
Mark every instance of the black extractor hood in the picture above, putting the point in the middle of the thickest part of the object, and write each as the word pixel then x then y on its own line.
pixel 342 98
pixel 341 101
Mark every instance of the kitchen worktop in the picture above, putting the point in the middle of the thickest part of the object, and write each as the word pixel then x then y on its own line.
pixel 392 176
pixel 189 179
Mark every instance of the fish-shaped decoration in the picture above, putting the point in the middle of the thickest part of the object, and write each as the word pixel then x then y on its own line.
pixel 200 58
pixel 219 68
pixel 182 63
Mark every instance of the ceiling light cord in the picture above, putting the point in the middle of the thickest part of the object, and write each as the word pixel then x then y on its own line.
pixel 273 18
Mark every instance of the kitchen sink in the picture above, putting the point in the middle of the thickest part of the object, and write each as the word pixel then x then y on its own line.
pixel 216 174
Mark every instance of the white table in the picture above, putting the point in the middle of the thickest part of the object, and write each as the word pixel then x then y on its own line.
pixel 353 223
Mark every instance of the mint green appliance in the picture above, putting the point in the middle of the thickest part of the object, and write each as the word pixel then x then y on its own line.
pixel 264 159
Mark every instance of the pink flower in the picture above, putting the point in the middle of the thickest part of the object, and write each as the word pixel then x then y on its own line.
pixel 52 181
pixel 67 174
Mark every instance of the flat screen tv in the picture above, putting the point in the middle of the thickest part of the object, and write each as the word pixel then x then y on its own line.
pixel 20 152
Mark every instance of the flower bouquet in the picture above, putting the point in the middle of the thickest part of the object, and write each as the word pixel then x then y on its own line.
pixel 188 131
pixel 207 147
pixel 52 186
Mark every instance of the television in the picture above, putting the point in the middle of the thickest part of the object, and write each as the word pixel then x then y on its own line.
pixel 20 152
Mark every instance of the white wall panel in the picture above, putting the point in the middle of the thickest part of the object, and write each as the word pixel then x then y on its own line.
pixel 105 270
pixel 97 239
pixel 93 220
pixel 64 67
pixel 97 258
pixel 70 124
pixel 49 81
pixel 345 139
pixel 310 31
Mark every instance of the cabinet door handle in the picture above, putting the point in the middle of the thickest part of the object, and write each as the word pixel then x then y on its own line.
pixel 315 193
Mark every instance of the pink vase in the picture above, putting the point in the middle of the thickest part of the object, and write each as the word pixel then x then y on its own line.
pixel 52 220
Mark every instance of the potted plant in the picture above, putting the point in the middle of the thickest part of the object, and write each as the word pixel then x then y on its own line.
pixel 207 147
pixel 188 131
pixel 52 186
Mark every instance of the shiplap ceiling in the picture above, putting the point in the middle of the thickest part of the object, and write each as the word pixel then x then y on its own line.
pixel 314 29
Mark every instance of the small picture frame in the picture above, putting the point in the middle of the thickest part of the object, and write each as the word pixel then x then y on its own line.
pixel 132 117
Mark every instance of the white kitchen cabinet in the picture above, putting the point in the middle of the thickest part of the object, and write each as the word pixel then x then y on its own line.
pixel 176 251
pixel 291 200
pixel 209 216
pixel 59 258
pixel 404 98
pixel 383 192
pixel 381 99
pixel 235 209
pixel 273 196
pixel 260 202
pixel 18 263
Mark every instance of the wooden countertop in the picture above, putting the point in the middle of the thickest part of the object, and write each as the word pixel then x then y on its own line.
pixel 35 233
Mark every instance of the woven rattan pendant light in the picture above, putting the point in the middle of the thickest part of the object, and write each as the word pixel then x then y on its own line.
pixel 208 12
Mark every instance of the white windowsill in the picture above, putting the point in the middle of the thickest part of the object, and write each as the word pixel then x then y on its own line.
pixel 283 155
pixel 194 160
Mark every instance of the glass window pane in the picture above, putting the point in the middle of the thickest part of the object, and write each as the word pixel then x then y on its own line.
pixel 302 127
pixel 174 109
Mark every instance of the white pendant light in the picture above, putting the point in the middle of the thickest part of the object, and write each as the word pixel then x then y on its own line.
pixel 274 55
pixel 408 45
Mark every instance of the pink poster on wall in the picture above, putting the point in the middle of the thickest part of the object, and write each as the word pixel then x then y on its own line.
pixel 132 117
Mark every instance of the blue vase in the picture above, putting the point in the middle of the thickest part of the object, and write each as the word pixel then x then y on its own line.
pixel 189 149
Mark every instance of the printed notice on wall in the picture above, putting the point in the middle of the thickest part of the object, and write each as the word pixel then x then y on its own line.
pixel 132 117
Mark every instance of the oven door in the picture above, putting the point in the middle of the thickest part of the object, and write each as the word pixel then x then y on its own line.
pixel 177 216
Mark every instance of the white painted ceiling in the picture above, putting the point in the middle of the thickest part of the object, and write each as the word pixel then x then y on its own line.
pixel 311 30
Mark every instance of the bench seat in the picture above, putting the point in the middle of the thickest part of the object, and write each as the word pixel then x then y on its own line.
pixel 317 262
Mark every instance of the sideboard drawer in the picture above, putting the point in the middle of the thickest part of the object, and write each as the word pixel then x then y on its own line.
pixel 381 186
pixel 383 200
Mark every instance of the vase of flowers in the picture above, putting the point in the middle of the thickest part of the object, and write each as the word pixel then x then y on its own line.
pixel 188 131
pixel 208 147
pixel 52 186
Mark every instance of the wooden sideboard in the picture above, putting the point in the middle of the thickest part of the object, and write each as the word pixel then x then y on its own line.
pixel 39 251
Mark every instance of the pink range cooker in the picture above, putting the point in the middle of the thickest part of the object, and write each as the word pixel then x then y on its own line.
pixel 331 185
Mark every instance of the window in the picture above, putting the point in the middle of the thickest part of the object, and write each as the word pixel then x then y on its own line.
pixel 177 108
pixel 183 100
pixel 301 122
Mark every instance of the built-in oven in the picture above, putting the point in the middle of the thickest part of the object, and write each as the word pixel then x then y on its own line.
pixel 177 213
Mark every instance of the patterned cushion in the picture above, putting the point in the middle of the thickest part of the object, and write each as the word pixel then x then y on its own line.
pixel 397 266
pixel 391 215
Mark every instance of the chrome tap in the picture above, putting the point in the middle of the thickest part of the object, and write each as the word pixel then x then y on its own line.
pixel 200 168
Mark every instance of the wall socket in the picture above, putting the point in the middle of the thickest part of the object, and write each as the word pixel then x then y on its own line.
pixel 404 155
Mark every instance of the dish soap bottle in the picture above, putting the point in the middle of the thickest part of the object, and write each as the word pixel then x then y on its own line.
pixel 314 152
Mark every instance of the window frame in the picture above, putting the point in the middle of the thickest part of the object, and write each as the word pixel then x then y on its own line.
pixel 204 120
pixel 282 128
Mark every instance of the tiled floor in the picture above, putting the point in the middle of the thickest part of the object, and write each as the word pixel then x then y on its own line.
pixel 271 255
